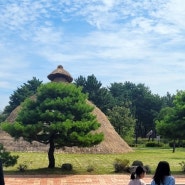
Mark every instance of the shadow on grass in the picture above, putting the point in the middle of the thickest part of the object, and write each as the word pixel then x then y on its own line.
pixel 54 172
pixel 41 171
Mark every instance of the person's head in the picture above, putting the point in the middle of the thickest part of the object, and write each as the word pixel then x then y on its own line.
pixel 139 173
pixel 162 170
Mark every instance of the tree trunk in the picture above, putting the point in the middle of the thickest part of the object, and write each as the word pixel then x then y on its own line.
pixel 51 157
pixel 136 134
pixel 136 139
pixel 174 146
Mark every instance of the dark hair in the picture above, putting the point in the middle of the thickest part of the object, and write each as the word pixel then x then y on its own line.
pixel 139 170
pixel 162 170
pixel 1 174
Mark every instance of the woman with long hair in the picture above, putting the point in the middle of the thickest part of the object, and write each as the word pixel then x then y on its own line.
pixel 136 177
pixel 162 175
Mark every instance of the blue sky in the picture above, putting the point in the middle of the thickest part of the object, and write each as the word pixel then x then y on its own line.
pixel 141 41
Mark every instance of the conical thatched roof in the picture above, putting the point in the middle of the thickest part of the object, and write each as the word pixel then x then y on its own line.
pixel 60 74
pixel 112 142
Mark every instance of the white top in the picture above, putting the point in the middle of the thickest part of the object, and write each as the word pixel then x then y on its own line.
pixel 169 180
pixel 136 182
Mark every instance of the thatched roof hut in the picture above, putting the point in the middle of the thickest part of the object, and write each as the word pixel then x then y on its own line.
pixel 60 75
pixel 112 142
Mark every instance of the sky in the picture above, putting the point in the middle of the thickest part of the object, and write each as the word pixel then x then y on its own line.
pixel 141 41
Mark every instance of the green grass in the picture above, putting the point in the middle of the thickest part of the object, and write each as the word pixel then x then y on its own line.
pixel 102 163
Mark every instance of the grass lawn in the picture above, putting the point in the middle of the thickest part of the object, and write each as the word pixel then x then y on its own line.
pixel 102 163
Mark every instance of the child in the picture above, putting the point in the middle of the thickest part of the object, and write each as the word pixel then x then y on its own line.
pixel 136 177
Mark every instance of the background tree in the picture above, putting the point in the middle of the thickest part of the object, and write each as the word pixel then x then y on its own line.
pixel 167 100
pixel 144 105
pixel 170 123
pixel 2 116
pixel 59 116
pixel 6 158
pixel 26 90
pixel 123 121
pixel 99 95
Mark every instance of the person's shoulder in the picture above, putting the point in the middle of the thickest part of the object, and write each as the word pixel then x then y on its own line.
pixel 142 182
pixel 171 177
pixel 130 182
pixel 152 182
pixel 171 180
pixel 136 182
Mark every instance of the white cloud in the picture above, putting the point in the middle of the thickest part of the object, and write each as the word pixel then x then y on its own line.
pixel 47 35
pixel 130 40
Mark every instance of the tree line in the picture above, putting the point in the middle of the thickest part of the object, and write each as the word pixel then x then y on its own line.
pixel 132 108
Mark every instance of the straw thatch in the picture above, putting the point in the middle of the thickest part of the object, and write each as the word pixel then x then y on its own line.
pixel 60 74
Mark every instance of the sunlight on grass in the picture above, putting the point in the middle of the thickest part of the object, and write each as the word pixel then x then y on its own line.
pixel 37 162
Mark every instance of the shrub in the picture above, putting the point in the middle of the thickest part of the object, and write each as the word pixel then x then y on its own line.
pixel 154 144
pixel 182 165
pixel 137 163
pixel 22 167
pixel 6 157
pixel 121 165
pixel 148 169
pixel 67 167
pixel 177 144
pixel 90 168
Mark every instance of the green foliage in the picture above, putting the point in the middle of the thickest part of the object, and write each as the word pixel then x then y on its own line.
pixel 102 163
pixel 170 123
pixel 148 169
pixel 182 164
pixel 154 144
pixel 143 104
pixel 22 167
pixel 91 84
pixel 121 165
pixel 167 101
pixel 67 167
pixel 99 95
pixel 26 90
pixel 137 163
pixel 180 143
pixel 123 121
pixel 140 163
pixel 90 168
pixel 60 111
pixel 2 116
pixel 164 123
pixel 6 157
pixel 59 116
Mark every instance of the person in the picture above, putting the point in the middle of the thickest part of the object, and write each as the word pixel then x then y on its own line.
pixel 136 177
pixel 1 174
pixel 163 175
